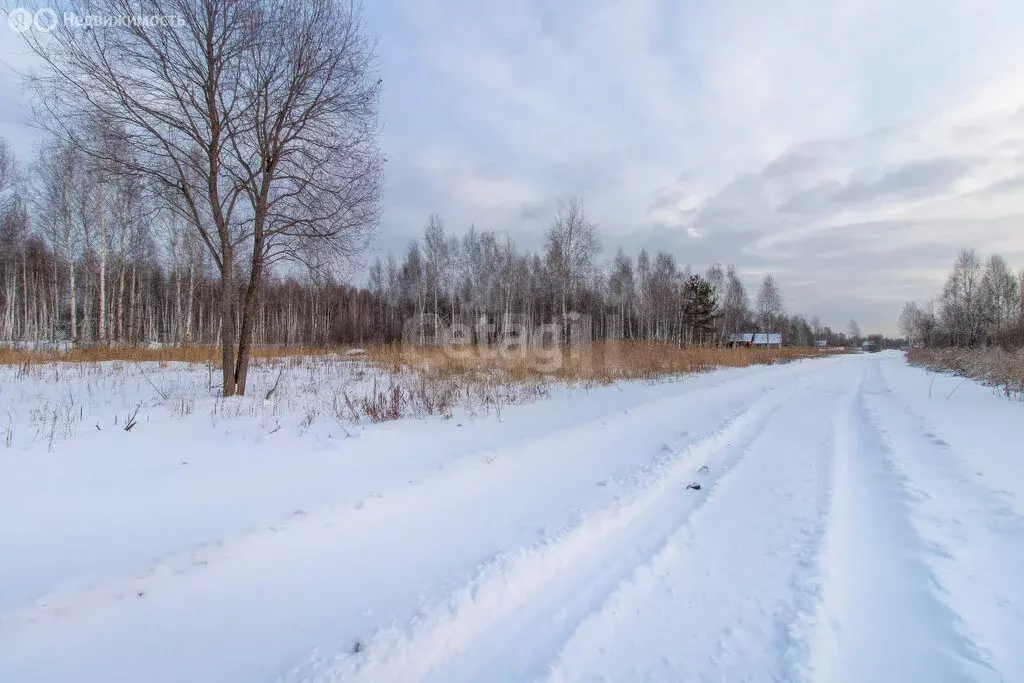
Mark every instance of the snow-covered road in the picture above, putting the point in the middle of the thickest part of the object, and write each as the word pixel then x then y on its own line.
pixel 858 520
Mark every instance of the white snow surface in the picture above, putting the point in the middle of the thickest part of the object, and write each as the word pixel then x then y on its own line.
pixel 858 520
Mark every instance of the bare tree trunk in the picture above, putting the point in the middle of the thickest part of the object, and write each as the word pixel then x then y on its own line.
pixel 120 300
pixel 227 320
pixel 191 298
pixel 56 286
pixel 132 336
pixel 179 326
pixel 248 315
pixel 71 286
pixel 102 322
pixel 10 305
pixel 24 281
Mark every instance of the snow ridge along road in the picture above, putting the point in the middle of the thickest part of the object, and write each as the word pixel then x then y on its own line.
pixel 846 530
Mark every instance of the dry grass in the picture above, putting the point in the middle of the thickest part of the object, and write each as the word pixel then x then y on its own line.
pixel 995 367
pixel 492 378
pixel 598 362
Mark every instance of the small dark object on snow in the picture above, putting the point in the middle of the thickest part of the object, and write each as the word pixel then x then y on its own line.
pixel 693 485
pixel 704 469
pixel 358 647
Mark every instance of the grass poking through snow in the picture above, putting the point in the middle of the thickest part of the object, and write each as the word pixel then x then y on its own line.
pixel 996 367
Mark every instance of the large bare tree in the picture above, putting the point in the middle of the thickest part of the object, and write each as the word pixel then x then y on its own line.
pixel 258 116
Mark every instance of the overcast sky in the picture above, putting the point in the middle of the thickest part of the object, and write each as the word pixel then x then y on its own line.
pixel 850 147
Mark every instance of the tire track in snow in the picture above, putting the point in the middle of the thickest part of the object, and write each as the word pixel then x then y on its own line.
pixel 473 635
pixel 976 541
pixel 878 619
pixel 715 602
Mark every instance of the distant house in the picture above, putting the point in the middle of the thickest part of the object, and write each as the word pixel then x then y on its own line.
pixel 821 343
pixel 759 340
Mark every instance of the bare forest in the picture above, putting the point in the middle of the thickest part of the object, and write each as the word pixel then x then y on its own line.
pixel 145 278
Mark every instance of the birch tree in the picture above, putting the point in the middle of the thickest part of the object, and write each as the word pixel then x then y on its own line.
pixel 769 304
pixel 853 330
pixel 569 250
pixel 961 303
pixel 1000 299
pixel 436 254
pixel 736 304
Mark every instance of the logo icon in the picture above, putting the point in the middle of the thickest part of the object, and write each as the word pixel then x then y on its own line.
pixel 45 20
pixel 20 19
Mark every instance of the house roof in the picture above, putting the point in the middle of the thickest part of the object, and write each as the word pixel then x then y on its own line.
pixel 756 338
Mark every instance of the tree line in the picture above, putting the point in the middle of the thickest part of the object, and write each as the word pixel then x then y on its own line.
pixel 482 276
pixel 94 258
pixel 981 305
pixel 134 274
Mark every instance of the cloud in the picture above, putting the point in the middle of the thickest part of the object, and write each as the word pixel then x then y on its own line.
pixel 911 180
pixel 1007 185
pixel 808 157
pixel 907 181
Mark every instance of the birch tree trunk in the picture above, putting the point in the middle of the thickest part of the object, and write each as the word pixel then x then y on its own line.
pixel 72 294
pixel 101 323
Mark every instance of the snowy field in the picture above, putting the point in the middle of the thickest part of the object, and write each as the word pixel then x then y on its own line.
pixel 858 520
